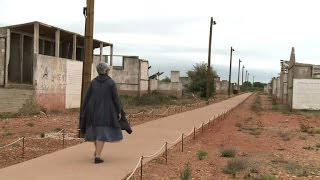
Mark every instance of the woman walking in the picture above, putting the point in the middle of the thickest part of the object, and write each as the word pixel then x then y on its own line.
pixel 101 112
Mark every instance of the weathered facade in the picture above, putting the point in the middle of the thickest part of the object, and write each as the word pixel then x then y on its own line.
pixel 222 87
pixel 132 77
pixel 46 60
pixel 298 84
pixel 172 88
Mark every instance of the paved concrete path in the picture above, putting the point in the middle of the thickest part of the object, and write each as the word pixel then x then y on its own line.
pixel 120 158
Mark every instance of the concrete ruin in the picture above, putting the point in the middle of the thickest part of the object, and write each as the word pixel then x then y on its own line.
pixel 297 85
pixel 45 63
pixel 45 59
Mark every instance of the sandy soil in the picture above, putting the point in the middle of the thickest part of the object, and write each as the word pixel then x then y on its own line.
pixel 268 144
pixel 40 130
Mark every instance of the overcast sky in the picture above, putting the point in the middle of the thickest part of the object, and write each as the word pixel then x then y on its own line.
pixel 173 34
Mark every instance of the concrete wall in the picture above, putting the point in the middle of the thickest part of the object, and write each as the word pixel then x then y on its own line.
pixel 73 84
pixel 51 82
pixel 3 33
pixel 127 76
pixel 224 85
pixel 175 76
pixel 132 76
pixel 170 88
pixel 278 88
pixel 173 88
pixel 153 84
pixel 302 72
pixel 144 76
pixel 283 87
pixel 306 94
pixel 274 86
pixel 316 71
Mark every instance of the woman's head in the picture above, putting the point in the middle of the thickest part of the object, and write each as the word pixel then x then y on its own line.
pixel 103 68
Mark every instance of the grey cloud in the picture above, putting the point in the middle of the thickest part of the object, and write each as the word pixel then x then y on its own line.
pixel 140 26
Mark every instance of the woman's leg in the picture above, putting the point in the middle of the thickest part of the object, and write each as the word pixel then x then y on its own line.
pixel 99 146
pixel 95 148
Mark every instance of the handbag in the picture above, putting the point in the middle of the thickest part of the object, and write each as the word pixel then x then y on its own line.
pixel 124 124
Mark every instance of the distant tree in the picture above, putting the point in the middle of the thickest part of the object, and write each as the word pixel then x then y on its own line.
pixel 198 77
pixel 258 84
pixel 248 86
pixel 166 79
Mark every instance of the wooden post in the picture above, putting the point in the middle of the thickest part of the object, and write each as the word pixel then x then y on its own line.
pixel 101 52
pixel 166 153
pixel 87 64
pixel 182 142
pixel 141 168
pixel 63 134
pixel 23 143
pixel 194 133
pixel 202 127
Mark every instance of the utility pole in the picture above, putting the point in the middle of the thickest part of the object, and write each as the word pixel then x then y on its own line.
pixel 242 74
pixel 239 75
pixel 229 87
pixel 87 63
pixel 252 80
pixel 246 79
pixel 209 60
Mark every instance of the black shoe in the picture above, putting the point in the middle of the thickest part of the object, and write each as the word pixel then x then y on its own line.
pixel 98 160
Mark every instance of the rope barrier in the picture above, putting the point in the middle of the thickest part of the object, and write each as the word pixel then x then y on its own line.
pixel 134 170
pixel 174 142
pixel 190 132
pixel 150 111
pixel 212 118
pixel 2 147
pixel 150 156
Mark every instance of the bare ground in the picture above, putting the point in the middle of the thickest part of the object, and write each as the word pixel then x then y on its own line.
pixel 269 144
pixel 41 138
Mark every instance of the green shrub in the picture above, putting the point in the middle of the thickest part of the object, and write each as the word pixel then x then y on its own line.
pixel 30 124
pixel 186 174
pixel 235 165
pixel 256 106
pixel 268 177
pixel 255 132
pixel 8 134
pixel 42 135
pixel 201 154
pixel 284 135
pixel 228 152
pixel 238 124
pixel 304 128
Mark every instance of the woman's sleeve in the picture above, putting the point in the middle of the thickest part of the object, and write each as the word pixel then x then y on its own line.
pixel 86 98
pixel 115 97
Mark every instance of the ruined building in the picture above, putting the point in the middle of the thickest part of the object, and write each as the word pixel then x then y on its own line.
pixel 298 84
pixel 43 64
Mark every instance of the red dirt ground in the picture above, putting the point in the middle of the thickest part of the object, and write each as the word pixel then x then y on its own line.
pixel 35 127
pixel 271 144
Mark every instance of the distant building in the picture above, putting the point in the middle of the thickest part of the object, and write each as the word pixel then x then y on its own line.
pixel 45 63
pixel 298 84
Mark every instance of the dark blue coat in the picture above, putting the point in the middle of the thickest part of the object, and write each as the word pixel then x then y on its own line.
pixel 101 105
